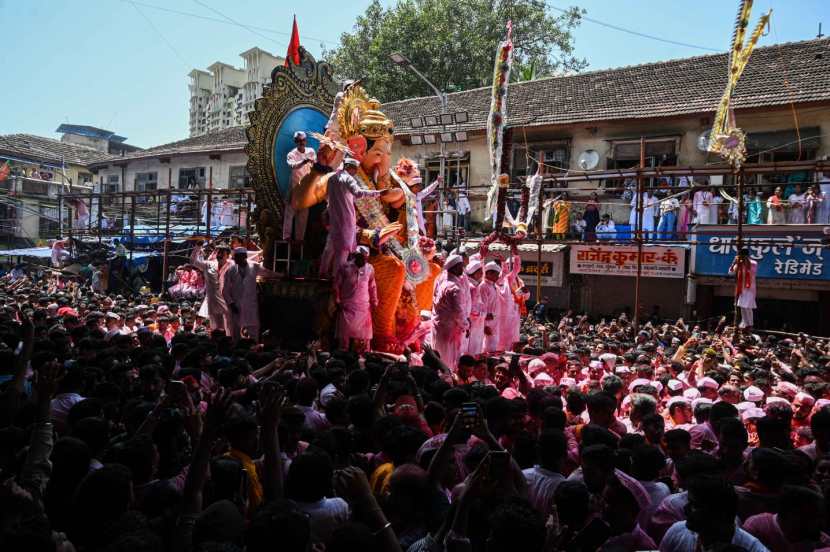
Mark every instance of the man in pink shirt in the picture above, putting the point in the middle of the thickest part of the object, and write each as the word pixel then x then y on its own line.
pixel 450 313
pixel 488 292
pixel 355 293
pixel 342 239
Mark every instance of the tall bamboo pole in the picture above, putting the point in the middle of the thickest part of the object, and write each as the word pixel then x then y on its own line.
pixel 638 235
pixel 165 260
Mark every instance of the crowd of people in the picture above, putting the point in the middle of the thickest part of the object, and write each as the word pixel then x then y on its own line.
pixel 133 423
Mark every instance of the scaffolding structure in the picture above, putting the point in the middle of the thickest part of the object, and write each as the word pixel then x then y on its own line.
pixel 150 219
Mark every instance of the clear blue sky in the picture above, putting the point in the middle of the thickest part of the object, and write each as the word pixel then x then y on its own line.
pixel 100 62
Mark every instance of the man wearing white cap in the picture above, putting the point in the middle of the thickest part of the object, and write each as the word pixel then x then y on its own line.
pixel 341 191
pixel 356 295
pixel 450 313
pixel 488 292
pixel 475 343
pixel 511 318
pixel 300 160
pixel 240 294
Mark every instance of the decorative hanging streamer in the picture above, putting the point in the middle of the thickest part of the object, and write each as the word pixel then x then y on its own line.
pixel 726 138
pixel 533 187
pixel 498 115
pixel 417 267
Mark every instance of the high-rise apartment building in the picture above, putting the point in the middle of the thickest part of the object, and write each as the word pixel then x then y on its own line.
pixel 222 96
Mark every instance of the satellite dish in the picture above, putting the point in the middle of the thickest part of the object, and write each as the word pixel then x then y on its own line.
pixel 703 140
pixel 588 160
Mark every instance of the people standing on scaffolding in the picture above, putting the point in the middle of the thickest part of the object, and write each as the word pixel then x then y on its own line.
pixel 648 203
pixel 776 208
pixel 591 218
pixel 558 216
pixel 668 219
pixel 705 210
pixel 755 208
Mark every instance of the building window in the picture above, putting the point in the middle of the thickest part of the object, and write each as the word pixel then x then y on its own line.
pixel 48 225
pixel 239 178
pixel 554 155
pixel 111 185
pixel 456 170
pixel 146 182
pixel 191 179
pixel 658 152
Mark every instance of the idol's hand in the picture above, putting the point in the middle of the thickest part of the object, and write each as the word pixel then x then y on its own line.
pixel 389 231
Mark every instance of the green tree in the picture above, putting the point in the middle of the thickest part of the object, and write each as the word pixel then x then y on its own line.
pixel 453 42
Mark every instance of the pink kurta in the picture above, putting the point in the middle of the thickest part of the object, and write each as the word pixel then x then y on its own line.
pixel 342 238
pixel 299 169
pixel 239 288
pixel 491 312
pixel 476 342
pixel 510 317
pixel 357 292
pixel 449 319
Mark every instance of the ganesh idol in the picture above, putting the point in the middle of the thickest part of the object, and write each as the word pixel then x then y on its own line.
pixel 386 223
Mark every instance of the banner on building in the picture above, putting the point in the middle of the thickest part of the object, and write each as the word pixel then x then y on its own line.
pixel 793 253
pixel 551 275
pixel 619 260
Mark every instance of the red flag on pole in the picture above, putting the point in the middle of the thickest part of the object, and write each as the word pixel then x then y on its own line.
pixel 293 45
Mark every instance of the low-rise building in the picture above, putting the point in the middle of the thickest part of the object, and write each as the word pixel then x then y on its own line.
pixel 596 120
pixel 782 102
pixel 39 170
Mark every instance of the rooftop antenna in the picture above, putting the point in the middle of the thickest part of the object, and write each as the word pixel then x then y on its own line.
pixel 819 30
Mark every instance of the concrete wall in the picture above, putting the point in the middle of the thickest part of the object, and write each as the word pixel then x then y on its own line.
pixel 221 169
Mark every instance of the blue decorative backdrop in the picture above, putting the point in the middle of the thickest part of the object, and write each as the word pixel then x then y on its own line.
pixel 307 119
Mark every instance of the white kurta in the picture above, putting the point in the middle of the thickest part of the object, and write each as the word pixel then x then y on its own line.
pixel 357 292
pixel 296 161
pixel 449 320
pixel 746 299
pixel 797 214
pixel 476 341
pixel 703 206
pixel 491 309
pixel 649 205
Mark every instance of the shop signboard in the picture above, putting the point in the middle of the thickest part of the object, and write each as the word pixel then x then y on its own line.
pixel 621 260
pixel 784 252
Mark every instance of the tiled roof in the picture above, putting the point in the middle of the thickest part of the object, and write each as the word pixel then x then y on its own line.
pixel 47 150
pixel 669 88
pixel 230 139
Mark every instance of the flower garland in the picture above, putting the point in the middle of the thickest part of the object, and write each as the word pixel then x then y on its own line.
pixel 371 210
pixel 498 113
pixel 726 139
pixel 417 267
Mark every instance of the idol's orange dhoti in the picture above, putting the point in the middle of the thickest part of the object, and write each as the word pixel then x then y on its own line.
pixel 389 275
